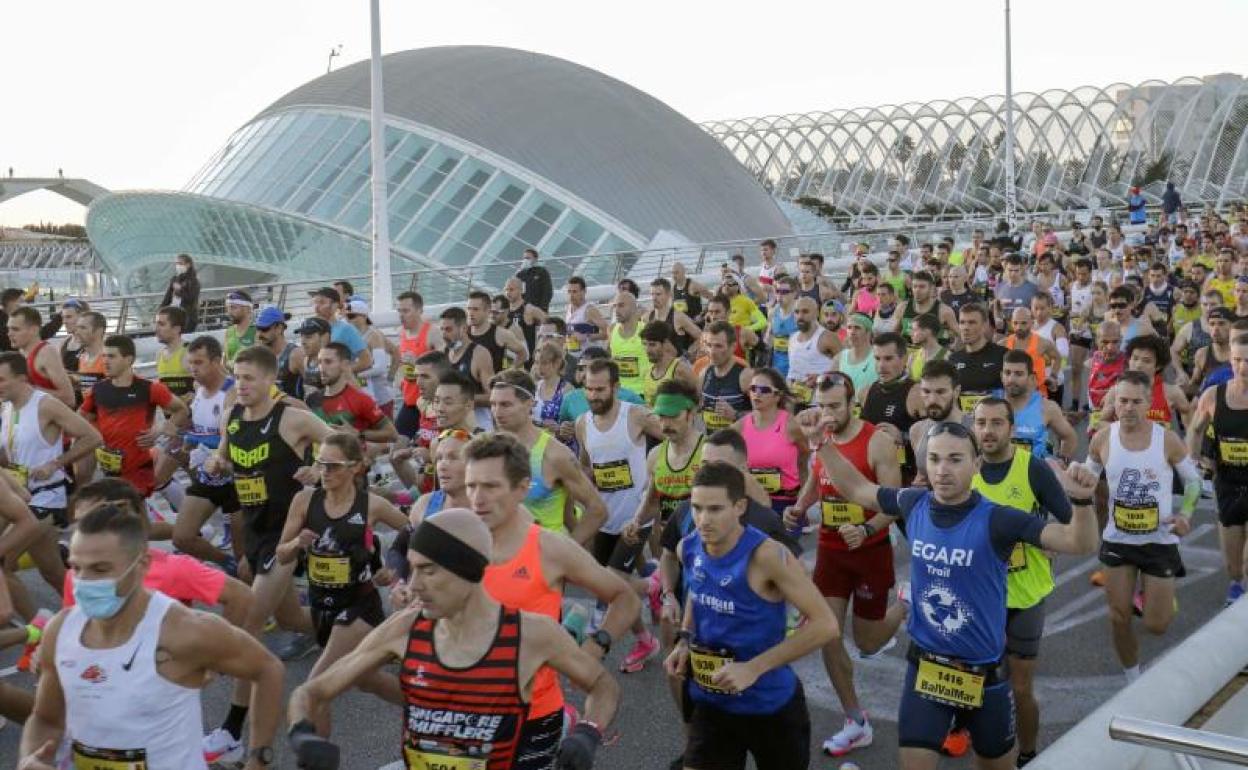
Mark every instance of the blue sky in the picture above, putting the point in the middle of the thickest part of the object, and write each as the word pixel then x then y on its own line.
pixel 138 94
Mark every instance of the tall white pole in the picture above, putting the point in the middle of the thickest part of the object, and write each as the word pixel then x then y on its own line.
pixel 383 295
pixel 1011 203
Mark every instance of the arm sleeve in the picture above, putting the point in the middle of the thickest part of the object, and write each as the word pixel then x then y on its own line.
pixel 1009 526
pixel 1048 490
pixel 898 502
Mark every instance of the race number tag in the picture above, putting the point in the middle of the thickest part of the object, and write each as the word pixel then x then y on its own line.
pixel 252 490
pixel 1018 558
pixel 628 366
pixel 706 663
pixel 572 344
pixel 949 684
pixel 20 474
pixel 613 476
pixel 329 571
pixel 1233 451
pixel 780 344
pixel 968 401
pixel 429 760
pixel 901 454
pixel 714 421
pixel 1139 519
pixel 409 372
pixel 837 512
pixel 801 391
pixel 91 758
pixel 768 478
pixel 681 305
pixel 109 460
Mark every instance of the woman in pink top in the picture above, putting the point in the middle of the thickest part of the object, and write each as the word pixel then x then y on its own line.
pixel 776 447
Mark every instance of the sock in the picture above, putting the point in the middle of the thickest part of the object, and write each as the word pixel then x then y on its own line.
pixel 856 715
pixel 174 493
pixel 233 723
pixel 1131 672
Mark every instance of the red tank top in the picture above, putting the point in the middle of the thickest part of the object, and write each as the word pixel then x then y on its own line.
pixel 519 583
pixel 1159 412
pixel 834 509
pixel 425 434
pixel 1102 376
pixel 414 346
pixel 34 375
pixel 457 715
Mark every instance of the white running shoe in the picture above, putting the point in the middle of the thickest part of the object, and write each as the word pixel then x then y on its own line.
pixel 858 654
pixel 221 747
pixel 852 736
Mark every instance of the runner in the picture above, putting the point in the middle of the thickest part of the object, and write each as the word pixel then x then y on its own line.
pixel 687 294
pixel 1214 357
pixel 498 342
pixel 1045 362
pixel 892 403
pixel 523 318
pixel 663 308
pixel 585 323
pixel 171 358
pixel 940 397
pixel 313 335
pixel 1142 535
pixel 332 528
pixel 1011 475
pixel 417 336
pixel 207 493
pixel 89 330
pixel 376 379
pixel 555 476
pixel 1080 328
pixel 43 361
pixel 980 360
pixel 90 696
pixel 1148 354
pixel 34 427
pixel 812 350
pixel 123 408
pixel 956 670
pixel 1225 409
pixel 924 302
pixel 470 359
pixel 262 442
pixel 857 359
pixel 1046 327
pixel 732 649
pixel 627 347
pixel 726 381
pixel 855 558
pixel 924 345
pixel 344 406
pixel 327 306
pixel 241 332
pixel 271 325
pixel 1035 417
pixel 777 455
pixel 663 356
pixel 453 650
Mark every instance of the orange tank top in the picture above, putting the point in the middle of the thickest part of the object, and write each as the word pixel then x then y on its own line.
pixel 412 347
pixel 519 582
pixel 1037 360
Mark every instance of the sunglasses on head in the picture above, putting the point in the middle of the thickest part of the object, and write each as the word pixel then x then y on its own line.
pixel 455 433
pixel 954 429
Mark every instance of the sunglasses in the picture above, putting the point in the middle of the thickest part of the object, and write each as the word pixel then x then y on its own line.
pixel 954 429
pixel 1117 305
pixel 456 433
pixel 762 390
pixel 330 465
pixel 784 291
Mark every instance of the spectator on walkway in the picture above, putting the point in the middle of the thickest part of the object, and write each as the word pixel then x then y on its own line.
pixel 183 291
pixel 538 289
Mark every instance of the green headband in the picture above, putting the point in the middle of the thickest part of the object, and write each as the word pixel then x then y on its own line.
pixel 672 404
pixel 863 320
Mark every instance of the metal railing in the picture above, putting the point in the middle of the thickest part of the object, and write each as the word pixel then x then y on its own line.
pixel 1183 740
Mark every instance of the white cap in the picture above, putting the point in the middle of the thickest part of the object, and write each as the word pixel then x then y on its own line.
pixel 357 305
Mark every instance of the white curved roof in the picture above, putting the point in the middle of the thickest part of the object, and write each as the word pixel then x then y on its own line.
pixel 617 148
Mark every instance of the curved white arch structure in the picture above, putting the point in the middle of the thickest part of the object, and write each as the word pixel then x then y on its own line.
pixel 77 190
pixel 1074 149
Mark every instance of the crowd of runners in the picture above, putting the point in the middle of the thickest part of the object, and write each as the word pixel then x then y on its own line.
pixel 413 509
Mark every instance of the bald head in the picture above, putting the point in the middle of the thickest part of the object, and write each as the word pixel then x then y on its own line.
pixel 625 306
pixel 466 527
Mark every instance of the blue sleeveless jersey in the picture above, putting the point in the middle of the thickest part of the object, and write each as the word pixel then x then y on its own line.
pixel 1030 431
pixel 957 585
pixel 784 327
pixel 734 622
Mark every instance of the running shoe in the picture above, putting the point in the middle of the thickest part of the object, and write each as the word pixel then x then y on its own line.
pixel 298 648
pixel 852 736
pixel 225 541
pixel 221 747
pixel 34 634
pixel 654 595
pixel 1233 592
pixel 1137 603
pixel 957 742
pixel 637 657
pixel 858 654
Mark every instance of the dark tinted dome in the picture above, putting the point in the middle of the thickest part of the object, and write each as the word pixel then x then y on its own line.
pixel 618 149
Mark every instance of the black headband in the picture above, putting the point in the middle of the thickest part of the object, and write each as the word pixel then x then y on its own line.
pixel 449 552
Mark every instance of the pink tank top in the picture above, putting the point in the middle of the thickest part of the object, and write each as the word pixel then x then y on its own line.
pixel 772 456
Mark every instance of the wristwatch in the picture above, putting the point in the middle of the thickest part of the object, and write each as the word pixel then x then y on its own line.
pixel 867 529
pixel 262 754
pixel 684 635
pixel 602 638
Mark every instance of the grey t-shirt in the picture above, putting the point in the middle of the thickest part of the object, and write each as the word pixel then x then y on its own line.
pixel 1013 297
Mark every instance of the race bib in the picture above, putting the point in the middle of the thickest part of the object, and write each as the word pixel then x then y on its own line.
pixel 1024 443
pixel 714 421
pixel 252 490
pixel 409 372
pixel 780 344
pixel 1094 419
pixel 1018 558
pixel 329 571
pixel 613 476
pixel 837 512
pixel 430 760
pixel 1139 519
pixel 681 305
pixel 628 366
pixel 1233 451
pixel 91 758
pixel 968 401
pixel 768 478
pixel 705 663
pixel 901 454
pixel 801 391
pixel 948 684
pixel 572 344
pixel 20 474
pixel 109 460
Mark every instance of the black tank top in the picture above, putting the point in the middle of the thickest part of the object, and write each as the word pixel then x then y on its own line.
pixel 886 403
pixel 489 341
pixel 682 300
pixel 726 388
pixel 264 469
pixel 464 364
pixel 814 293
pixel 683 341
pixel 527 329
pixel 340 561
pixel 288 381
pixel 311 379
pixel 1230 441
pixel 69 355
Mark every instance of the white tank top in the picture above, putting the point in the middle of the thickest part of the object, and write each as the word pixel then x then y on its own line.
pixel 376 381
pixel 1080 297
pixel 805 358
pixel 571 317
pixel 1141 502
pixel 206 422
pixel 618 468
pixel 116 701
pixel 27 448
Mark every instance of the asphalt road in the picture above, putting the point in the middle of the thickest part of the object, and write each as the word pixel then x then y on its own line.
pixel 1077 672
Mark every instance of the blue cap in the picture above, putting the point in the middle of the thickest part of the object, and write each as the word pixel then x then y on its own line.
pixel 270 315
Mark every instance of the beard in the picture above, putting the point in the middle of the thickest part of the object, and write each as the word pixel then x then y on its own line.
pixel 940 412
pixel 601 407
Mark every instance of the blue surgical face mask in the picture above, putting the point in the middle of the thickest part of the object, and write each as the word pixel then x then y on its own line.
pixel 98 598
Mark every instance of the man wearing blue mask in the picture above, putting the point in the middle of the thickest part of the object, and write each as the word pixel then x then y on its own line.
pixel 123 648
